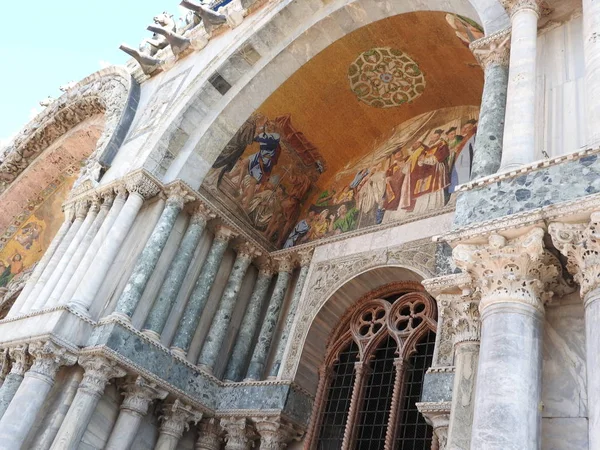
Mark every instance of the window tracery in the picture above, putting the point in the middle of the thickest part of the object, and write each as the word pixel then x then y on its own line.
pixel 373 374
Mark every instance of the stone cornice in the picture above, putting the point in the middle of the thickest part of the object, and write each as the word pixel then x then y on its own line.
pixel 455 283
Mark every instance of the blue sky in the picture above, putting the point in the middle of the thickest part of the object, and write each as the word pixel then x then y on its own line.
pixel 46 44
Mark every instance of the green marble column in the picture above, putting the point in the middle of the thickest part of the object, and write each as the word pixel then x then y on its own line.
pixel 148 259
pixel 197 302
pixel 220 323
pixel 250 323
pixel 159 313
pixel 267 331
pixel 305 258
pixel 20 364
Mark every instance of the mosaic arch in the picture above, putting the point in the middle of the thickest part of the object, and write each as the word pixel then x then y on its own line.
pixel 376 128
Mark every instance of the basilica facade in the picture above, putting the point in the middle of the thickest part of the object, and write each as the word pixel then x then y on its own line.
pixel 312 224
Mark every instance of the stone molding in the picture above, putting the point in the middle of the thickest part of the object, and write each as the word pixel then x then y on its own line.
pixel 493 49
pixel 176 417
pixel 580 243
pixel 448 284
pixel 519 270
pixel 48 357
pixel 142 184
pixel 21 361
pixel 438 416
pixel 514 6
pixel 98 372
pixel 139 393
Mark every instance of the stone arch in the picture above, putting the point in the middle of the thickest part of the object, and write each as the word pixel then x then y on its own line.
pixel 283 48
pixel 111 93
pixel 332 289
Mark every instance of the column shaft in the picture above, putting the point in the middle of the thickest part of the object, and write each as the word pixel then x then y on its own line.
pixel 261 351
pixel 159 313
pixel 220 323
pixel 463 396
pixel 250 323
pixel 146 262
pixel 591 52
pixel 197 302
pixel 519 129
pixel 94 277
pixel 13 380
pixel 124 431
pixel 92 251
pixel 592 344
pixel 289 320
pixel 39 268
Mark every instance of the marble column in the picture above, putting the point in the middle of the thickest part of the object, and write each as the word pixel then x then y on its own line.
pixel 98 372
pixel 197 301
pixel 591 54
pixel 159 313
pixel 512 276
pixel 146 262
pixel 465 323
pixel 305 257
pixel 258 361
pixel 20 365
pixel 139 394
pixel 211 349
pixel 42 263
pixel 4 366
pixel 243 344
pixel 139 188
pixel 209 435
pixel 81 250
pixel 237 433
pixel 492 53
pixel 49 270
pixel 519 124
pixel 118 197
pixel 274 433
pixel 437 415
pixel 174 421
pixel 32 393
pixel 581 245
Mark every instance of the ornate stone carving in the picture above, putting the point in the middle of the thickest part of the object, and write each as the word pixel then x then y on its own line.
pixel 4 364
pixel 248 250
pixel 274 433
pixel 98 372
pixel 284 264
pixel 238 434
pixel 462 316
pixel 48 358
pixel 20 358
pixel 305 256
pixel 580 243
pixel 142 184
pixel 223 233
pixel 518 270
pixel 176 417
pixel 139 393
pixel 179 194
pixel 438 416
pixel 514 6
pixel 201 213
pixel 81 209
pixel 209 435
pixel 492 49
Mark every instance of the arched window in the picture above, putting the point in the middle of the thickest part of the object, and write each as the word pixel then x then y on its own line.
pixel 373 375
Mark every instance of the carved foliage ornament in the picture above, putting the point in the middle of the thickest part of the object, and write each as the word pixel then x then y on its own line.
pixel 274 434
pixel 98 372
pixel 517 271
pixel 493 49
pixel 48 358
pixel 139 394
pixel 176 418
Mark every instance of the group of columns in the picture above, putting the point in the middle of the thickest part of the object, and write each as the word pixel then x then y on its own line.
pixel 506 128
pixel 33 368
pixel 497 317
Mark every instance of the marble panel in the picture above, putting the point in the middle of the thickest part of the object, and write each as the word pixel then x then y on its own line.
pixel 437 387
pixel 564 434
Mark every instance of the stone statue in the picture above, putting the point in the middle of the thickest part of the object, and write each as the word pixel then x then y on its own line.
pixel 151 46
pixel 210 18
pixel 177 42
pixel 149 64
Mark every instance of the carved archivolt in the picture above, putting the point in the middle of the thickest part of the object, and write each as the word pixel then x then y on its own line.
pixel 105 92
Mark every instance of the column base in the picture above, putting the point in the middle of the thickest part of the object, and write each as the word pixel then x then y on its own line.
pixel 151 334
pixel 176 351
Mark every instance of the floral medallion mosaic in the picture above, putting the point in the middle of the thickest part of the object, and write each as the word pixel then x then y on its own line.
pixel 385 77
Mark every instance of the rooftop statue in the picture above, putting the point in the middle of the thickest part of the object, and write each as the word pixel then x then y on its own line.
pixel 148 63
pixel 150 46
pixel 177 42
pixel 210 18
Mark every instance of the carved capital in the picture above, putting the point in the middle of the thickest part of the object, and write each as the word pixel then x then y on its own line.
pixel 266 268
pixel 178 194
pixel 238 434
pixel 274 433
pixel 201 214
pixel 305 256
pixel 121 191
pixel 515 6
pixel 81 209
pixel 224 234
pixel 209 435
pixel 493 49
pixel 98 372
pixel 139 394
pixel 96 203
pixel 462 318
pixel 140 183
pixel 437 415
pixel 510 271
pixel 248 251
pixel 21 361
pixel 48 358
pixel 108 197
pixel 285 264
pixel 69 211
pixel 176 417
pixel 580 243
pixel 5 364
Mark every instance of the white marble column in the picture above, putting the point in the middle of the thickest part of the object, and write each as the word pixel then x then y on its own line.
pixel 32 393
pixel 580 243
pixel 274 433
pixel 20 364
pixel 138 396
pixel 512 276
pixel 175 419
pixel 519 128
pixel 42 263
pixel 591 53
pixel 81 249
pixel 237 433
pixel 98 372
pixel 209 435
pixel 120 196
pixel 87 212
pixel 139 187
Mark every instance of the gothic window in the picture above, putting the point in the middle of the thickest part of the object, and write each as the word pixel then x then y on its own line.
pixel 373 375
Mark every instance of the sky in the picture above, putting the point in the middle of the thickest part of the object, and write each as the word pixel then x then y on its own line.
pixel 46 44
